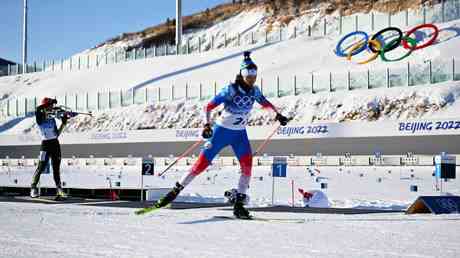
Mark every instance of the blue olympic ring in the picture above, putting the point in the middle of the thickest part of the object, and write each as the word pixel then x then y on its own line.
pixel 340 52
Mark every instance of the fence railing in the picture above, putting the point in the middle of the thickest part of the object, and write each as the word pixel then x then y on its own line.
pixel 429 72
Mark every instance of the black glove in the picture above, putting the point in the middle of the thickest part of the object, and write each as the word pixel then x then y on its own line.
pixel 64 118
pixel 207 131
pixel 282 119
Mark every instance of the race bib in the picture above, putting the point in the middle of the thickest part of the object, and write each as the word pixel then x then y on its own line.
pixel 233 121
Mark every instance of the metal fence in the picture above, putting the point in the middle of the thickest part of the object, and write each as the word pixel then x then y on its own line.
pixel 429 72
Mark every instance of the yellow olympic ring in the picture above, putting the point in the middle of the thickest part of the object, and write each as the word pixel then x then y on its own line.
pixel 375 43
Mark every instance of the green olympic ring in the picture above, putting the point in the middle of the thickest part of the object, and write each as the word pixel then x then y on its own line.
pixel 411 41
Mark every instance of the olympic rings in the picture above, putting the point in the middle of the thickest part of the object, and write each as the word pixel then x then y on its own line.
pixel 377 45
pixel 243 102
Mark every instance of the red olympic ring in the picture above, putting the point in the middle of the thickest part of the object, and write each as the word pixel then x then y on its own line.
pixel 431 41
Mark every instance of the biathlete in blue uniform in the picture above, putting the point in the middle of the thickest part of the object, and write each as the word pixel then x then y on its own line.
pixel 230 129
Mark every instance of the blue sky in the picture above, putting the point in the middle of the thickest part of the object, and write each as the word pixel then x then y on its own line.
pixel 60 28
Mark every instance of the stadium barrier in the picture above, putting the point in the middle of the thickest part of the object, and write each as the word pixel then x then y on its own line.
pixel 126 172
pixel 130 177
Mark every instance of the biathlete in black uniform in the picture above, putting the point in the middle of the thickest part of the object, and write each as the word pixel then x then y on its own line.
pixel 50 147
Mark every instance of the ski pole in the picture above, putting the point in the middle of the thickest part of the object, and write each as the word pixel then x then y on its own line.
pixel 268 139
pixel 259 149
pixel 186 152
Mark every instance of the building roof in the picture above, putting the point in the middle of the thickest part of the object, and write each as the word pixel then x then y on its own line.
pixel 6 62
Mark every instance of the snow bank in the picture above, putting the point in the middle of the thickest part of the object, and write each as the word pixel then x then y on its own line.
pixel 438 101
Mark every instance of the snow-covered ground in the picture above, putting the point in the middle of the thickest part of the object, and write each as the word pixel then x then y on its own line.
pixel 74 230
pixel 62 230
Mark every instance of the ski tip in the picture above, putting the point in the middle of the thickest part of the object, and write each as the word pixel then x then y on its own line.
pixel 139 212
pixel 149 209
pixel 144 210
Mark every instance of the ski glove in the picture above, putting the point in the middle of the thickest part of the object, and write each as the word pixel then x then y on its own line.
pixel 64 119
pixel 282 119
pixel 207 131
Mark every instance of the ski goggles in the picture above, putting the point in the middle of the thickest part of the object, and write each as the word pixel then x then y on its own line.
pixel 248 72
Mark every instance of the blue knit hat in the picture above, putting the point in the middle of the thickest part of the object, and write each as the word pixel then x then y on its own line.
pixel 247 62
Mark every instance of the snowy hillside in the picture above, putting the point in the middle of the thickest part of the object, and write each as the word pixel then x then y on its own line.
pixel 439 101
pixel 253 21
pixel 301 58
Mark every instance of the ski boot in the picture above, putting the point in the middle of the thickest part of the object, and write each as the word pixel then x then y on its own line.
pixel 60 195
pixel 34 192
pixel 239 210
pixel 231 195
pixel 169 197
